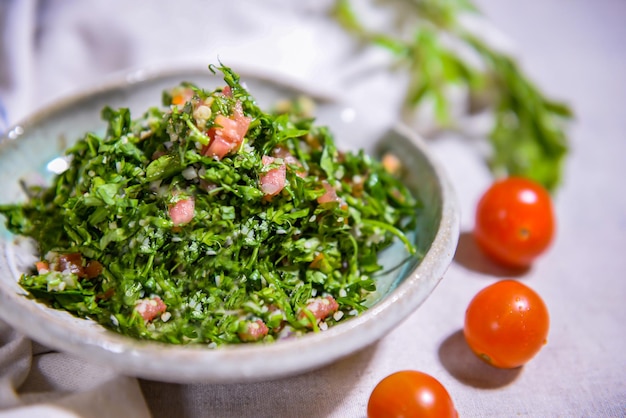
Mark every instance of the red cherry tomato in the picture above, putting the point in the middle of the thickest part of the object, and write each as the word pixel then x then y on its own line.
pixel 506 324
pixel 514 221
pixel 410 393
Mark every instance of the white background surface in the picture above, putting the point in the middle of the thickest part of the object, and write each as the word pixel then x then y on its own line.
pixel 575 50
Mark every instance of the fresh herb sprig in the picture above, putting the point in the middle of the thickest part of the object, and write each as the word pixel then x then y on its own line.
pixel 111 250
pixel 528 136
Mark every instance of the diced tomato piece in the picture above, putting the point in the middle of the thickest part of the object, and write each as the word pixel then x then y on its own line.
pixel 255 330
pixel 329 196
pixel 281 152
pixel 321 307
pixel 273 182
pixel 243 122
pixel 267 160
pixel 108 294
pixel 391 164
pixel 218 147
pixel 290 160
pixel 357 185
pixel 181 95
pixel 150 308
pixel 229 129
pixel 317 261
pixel 228 133
pixel 93 269
pixel 182 211
pixel 72 262
pixel 207 186
pixel 42 267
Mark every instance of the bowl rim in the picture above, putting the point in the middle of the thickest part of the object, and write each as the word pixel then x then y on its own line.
pixel 251 362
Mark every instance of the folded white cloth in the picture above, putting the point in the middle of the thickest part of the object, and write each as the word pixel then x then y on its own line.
pixel 56 47
pixel 35 381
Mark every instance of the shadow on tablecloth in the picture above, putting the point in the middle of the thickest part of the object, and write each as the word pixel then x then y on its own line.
pixel 459 360
pixel 471 257
pixel 314 394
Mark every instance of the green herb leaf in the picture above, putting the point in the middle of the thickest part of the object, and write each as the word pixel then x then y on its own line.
pixel 528 137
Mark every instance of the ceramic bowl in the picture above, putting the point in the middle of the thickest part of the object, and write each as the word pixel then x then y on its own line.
pixel 29 149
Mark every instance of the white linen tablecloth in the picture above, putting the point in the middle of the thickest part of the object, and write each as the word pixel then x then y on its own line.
pixel 575 50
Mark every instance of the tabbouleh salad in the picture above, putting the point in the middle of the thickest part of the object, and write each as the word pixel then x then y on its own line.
pixel 210 221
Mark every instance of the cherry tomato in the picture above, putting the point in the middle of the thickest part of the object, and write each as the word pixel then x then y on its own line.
pixel 410 393
pixel 506 324
pixel 514 221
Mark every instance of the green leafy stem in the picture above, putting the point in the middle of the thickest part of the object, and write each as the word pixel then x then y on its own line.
pixel 528 135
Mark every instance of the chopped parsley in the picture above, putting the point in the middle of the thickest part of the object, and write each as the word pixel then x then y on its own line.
pixel 211 221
